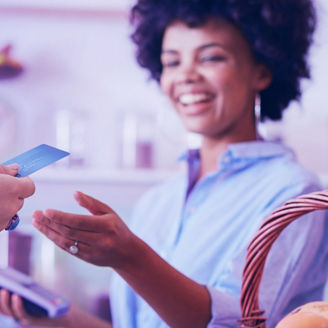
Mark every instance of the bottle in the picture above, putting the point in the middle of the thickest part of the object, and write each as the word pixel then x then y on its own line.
pixel 137 141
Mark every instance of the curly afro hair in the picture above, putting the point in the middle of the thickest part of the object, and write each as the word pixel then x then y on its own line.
pixel 279 33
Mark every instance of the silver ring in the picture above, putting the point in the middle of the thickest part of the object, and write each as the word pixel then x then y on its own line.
pixel 73 249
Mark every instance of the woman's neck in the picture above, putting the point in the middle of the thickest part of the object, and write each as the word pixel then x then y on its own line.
pixel 211 151
pixel 209 155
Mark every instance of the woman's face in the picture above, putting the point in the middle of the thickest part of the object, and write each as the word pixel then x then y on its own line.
pixel 211 79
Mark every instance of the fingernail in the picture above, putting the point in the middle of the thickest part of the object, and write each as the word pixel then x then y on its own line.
pixel 37 214
pixel 78 193
pixel 36 223
pixel 48 213
pixel 13 168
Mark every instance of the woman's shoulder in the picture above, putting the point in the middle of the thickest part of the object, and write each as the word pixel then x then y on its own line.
pixel 288 169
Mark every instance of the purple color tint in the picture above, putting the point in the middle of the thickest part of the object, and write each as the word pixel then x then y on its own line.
pixel 193 159
pixel 101 307
pixel 19 251
pixel 144 155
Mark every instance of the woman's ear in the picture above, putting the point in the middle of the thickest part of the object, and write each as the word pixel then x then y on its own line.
pixel 264 77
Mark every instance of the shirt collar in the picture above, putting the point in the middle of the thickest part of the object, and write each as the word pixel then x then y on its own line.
pixel 258 149
pixel 189 155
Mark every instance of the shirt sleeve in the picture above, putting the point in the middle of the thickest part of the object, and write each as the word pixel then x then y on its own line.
pixel 225 309
pixel 295 273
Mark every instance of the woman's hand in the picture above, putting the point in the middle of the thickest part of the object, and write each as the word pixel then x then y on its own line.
pixel 101 238
pixel 12 193
pixel 12 305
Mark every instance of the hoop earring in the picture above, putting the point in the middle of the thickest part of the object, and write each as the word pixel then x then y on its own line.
pixel 257 109
pixel 260 131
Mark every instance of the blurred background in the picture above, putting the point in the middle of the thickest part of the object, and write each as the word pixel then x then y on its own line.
pixel 68 78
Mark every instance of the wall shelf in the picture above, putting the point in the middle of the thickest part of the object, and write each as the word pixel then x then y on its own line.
pixel 66 4
pixel 99 7
pixel 124 176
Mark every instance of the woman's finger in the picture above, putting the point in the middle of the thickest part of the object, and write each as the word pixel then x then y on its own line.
pixel 54 236
pixel 11 169
pixel 88 237
pixel 86 252
pixel 5 302
pixel 27 320
pixel 63 241
pixel 18 310
pixel 73 221
pixel 27 187
pixel 93 205
pixel 20 204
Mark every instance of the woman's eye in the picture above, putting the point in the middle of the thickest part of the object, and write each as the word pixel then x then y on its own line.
pixel 212 58
pixel 172 63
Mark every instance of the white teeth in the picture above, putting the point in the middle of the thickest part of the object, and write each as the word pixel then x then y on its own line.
pixel 191 98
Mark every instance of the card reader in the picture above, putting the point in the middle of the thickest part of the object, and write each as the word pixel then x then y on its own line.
pixel 37 300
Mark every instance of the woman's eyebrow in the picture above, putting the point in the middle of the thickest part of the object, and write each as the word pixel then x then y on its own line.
pixel 169 51
pixel 212 44
pixel 202 47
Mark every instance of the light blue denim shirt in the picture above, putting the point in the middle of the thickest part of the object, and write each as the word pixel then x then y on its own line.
pixel 205 235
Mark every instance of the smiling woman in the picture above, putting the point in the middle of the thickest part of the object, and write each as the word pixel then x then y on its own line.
pixel 212 79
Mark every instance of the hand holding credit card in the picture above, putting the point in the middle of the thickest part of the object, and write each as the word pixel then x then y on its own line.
pixel 37 300
pixel 32 161
pixel 36 158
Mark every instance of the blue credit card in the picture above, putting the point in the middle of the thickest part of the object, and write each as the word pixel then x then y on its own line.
pixel 36 158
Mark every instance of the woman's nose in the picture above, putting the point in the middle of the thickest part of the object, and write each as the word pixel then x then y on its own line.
pixel 188 73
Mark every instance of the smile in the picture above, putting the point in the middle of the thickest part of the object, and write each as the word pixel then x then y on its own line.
pixel 194 98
